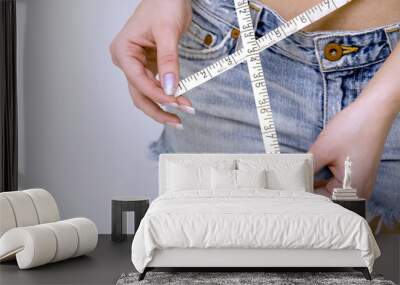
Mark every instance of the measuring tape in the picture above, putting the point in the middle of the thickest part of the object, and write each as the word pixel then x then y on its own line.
pixel 250 52
pixel 258 84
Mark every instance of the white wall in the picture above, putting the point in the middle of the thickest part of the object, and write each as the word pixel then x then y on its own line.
pixel 80 136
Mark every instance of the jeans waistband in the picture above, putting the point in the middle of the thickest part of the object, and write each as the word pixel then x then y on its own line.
pixel 364 47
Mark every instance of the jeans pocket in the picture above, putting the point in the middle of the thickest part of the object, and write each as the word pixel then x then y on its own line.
pixel 206 38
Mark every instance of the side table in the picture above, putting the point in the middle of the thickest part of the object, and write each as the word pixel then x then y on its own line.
pixel 357 206
pixel 121 205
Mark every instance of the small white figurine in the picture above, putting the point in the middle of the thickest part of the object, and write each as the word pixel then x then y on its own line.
pixel 347 174
pixel 347 192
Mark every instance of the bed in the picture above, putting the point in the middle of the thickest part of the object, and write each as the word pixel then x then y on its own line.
pixel 243 211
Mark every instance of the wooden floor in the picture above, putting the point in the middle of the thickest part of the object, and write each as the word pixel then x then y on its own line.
pixel 102 266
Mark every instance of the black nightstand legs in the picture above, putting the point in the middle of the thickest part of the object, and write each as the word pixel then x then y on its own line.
pixel 118 222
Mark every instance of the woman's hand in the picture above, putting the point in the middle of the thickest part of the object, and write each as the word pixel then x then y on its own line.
pixel 360 131
pixel 147 43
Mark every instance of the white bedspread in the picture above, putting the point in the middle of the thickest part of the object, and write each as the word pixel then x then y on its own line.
pixel 250 219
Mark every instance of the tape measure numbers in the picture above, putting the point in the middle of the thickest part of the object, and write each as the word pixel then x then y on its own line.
pixel 258 84
pixel 250 52
pixel 294 25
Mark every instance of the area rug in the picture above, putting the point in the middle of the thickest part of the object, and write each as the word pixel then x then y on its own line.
pixel 244 278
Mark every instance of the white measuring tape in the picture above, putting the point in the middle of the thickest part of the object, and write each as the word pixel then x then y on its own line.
pixel 258 84
pixel 250 52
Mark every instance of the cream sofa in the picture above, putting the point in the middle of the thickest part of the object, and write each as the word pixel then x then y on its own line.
pixel 31 231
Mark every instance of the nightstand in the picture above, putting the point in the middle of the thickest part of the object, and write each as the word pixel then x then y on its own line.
pixel 121 205
pixel 357 206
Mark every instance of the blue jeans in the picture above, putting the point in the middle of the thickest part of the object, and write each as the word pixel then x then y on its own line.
pixel 305 88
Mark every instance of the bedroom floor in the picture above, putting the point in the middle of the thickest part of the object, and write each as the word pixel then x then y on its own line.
pixel 103 266
pixel 110 260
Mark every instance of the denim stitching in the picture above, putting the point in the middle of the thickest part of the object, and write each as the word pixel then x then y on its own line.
pixel 321 33
pixel 388 40
pixel 325 97
pixel 197 38
pixel 272 11
pixel 210 53
pixel 325 111
pixel 320 38
pixel 337 68
pixel 257 19
pixel 211 14
pixel 334 69
pixel 390 30
pixel 223 47
pixel 292 56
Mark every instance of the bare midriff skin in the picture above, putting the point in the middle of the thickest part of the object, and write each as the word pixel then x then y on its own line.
pixel 357 15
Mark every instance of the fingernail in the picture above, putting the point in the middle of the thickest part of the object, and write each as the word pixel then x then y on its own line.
pixel 174 105
pixel 169 84
pixel 175 125
pixel 187 109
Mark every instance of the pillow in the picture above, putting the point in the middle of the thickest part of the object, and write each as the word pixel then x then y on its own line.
pixel 181 177
pixel 223 179
pixel 251 178
pixel 237 179
pixel 282 174
pixel 188 174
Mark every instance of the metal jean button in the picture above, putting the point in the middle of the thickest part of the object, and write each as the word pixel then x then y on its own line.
pixel 235 33
pixel 334 51
pixel 208 40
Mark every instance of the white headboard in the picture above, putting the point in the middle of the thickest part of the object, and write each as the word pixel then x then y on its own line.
pixel 209 158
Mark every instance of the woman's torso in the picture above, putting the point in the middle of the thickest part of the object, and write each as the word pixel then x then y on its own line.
pixel 360 14
pixel 305 88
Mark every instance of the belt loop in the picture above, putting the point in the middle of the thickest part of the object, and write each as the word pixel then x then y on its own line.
pixel 393 28
pixel 391 39
pixel 254 8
